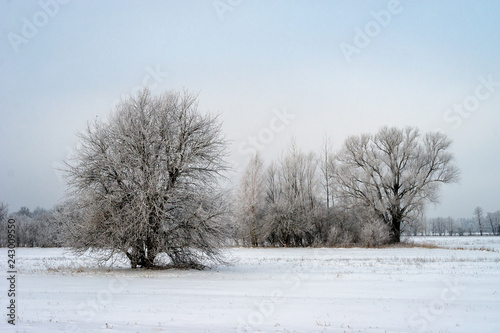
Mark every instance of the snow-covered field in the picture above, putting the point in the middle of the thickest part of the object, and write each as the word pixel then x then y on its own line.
pixel 267 290
pixel 486 243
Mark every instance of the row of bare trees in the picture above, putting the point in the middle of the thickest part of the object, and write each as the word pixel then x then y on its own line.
pixel 365 193
pixel 287 204
pixel 145 183
pixel 37 228
pixel 478 224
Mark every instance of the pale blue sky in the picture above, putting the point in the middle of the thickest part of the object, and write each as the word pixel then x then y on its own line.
pixel 248 63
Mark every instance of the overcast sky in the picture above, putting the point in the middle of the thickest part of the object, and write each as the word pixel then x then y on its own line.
pixel 272 69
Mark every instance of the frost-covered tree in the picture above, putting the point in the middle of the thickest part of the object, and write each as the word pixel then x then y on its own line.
pixel 33 229
pixel 47 229
pixel 327 168
pixel 24 211
pixel 394 172
pixel 478 216
pixel 494 220
pixel 292 199
pixel 4 211
pixel 145 183
pixel 450 225
pixel 438 226
pixel 249 204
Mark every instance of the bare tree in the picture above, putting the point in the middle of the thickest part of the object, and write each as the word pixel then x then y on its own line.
pixel 450 224
pixel 439 226
pixel 469 226
pixel 24 211
pixel 47 228
pixel 327 167
pixel 250 201
pixel 4 211
pixel 478 216
pixel 33 229
pixel 395 172
pixel 292 197
pixel 145 183
pixel 66 217
pixel 494 220
pixel 273 186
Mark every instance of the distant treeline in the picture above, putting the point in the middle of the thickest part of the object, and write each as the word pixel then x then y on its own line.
pixel 37 228
pixel 42 227
pixel 479 224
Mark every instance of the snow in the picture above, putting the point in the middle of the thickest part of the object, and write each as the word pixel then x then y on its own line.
pixel 267 290
pixel 487 243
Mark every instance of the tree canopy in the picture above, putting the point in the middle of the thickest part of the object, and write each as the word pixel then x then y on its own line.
pixel 145 182
pixel 395 172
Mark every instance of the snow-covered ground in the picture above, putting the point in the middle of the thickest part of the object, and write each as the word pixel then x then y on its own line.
pixel 487 243
pixel 266 290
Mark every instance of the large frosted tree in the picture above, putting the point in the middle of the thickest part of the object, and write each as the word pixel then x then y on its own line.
pixel 145 183
pixel 394 172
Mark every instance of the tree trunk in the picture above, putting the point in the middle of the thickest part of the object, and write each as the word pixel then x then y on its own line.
pixel 395 232
pixel 141 258
pixel 133 260
pixel 146 262
pixel 253 235
pixel 146 258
